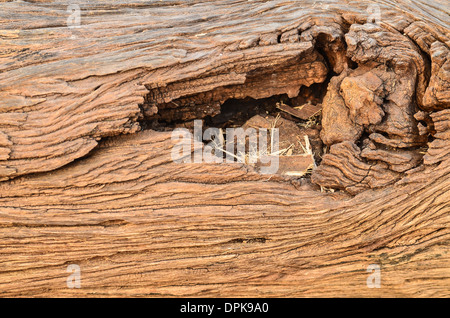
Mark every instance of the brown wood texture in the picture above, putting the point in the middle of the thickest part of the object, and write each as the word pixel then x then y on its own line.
pixel 84 182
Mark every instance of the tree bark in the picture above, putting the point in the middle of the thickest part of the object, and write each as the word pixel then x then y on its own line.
pixel 84 181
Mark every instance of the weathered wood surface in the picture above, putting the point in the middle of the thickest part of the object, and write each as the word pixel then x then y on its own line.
pixel 140 225
pixel 145 226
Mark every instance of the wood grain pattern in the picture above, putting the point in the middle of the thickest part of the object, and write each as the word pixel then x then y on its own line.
pixel 145 226
pixel 83 184
pixel 64 88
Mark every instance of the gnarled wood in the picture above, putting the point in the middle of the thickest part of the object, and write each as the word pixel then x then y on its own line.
pixel 140 225
pixel 84 182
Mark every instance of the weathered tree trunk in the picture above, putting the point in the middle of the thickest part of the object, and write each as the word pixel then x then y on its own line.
pixel 84 180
